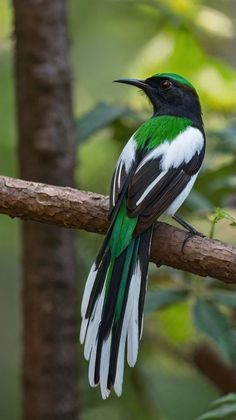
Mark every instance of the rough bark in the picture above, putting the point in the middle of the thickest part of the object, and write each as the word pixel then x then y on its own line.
pixel 85 210
pixel 46 154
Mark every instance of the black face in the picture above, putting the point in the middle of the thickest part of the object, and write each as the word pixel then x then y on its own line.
pixel 170 97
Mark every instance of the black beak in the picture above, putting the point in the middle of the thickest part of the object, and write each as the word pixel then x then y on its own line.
pixel 146 87
pixel 134 82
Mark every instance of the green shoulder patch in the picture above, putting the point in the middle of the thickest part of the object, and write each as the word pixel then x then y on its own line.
pixel 159 129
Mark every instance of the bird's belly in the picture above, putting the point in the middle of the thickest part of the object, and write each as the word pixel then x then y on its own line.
pixel 172 209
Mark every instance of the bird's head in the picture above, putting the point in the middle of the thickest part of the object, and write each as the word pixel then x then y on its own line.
pixel 169 94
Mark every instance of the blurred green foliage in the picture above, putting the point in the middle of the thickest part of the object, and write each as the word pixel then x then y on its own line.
pixel 223 408
pixel 138 38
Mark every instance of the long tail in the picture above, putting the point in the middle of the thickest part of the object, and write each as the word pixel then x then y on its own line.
pixel 112 307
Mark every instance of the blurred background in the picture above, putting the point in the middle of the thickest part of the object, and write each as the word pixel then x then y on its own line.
pixel 189 321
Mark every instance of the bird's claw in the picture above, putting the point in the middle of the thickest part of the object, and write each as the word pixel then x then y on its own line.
pixel 190 235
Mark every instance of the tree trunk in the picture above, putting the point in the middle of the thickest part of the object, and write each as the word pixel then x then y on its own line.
pixel 46 154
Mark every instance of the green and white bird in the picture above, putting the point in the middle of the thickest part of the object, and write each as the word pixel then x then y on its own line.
pixel 154 174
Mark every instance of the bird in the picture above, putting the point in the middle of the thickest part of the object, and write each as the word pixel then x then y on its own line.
pixel 153 176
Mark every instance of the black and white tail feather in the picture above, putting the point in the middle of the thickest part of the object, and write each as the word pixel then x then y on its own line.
pixel 106 338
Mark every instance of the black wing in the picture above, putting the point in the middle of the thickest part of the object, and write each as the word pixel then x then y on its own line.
pixel 124 171
pixel 151 190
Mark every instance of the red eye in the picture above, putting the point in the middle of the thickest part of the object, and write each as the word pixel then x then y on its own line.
pixel 166 84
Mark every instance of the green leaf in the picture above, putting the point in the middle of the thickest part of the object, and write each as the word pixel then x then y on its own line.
pixel 224 298
pixel 160 298
pixel 212 322
pixel 220 214
pixel 102 115
pixel 229 398
pixel 226 412
pixel 223 408
pixel 217 215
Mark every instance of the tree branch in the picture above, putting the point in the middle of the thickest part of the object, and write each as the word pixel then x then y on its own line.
pixel 85 210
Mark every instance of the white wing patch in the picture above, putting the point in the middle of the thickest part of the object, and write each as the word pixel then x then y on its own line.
pixel 169 155
pixel 125 161
pixel 128 154
pixel 175 205
pixel 180 150
pixel 183 148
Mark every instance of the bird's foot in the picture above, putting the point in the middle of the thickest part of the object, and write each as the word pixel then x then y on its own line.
pixel 190 229
pixel 193 232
